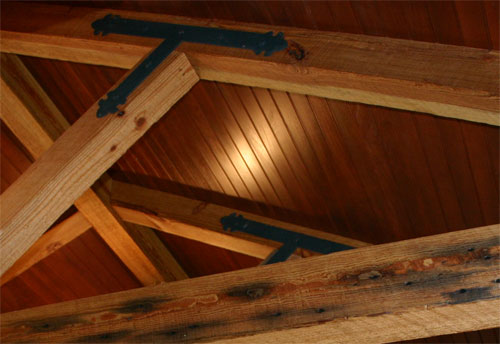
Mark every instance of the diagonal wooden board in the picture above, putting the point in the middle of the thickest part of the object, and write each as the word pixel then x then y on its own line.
pixel 22 100
pixel 443 80
pixel 85 151
pixel 60 235
pixel 423 287
pixel 165 211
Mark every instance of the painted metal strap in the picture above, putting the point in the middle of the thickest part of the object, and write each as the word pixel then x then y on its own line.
pixel 174 34
pixel 119 95
pixel 236 222
pixel 281 254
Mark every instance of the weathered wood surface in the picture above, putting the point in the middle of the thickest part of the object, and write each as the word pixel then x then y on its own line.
pixel 82 154
pixel 136 249
pixel 202 214
pixel 444 80
pixel 417 288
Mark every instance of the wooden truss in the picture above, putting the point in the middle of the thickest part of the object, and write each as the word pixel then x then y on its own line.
pixel 429 286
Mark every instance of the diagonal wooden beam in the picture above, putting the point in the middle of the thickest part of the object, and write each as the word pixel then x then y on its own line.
pixel 19 115
pixel 179 210
pixel 443 80
pixel 60 235
pixel 81 155
pixel 143 253
pixel 253 248
pixel 423 287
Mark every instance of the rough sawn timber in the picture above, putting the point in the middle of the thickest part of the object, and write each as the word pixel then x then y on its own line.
pixel 198 213
pixel 23 99
pixel 417 288
pixel 82 154
pixel 444 80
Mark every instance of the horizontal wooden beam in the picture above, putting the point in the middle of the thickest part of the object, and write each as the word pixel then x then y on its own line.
pixel 443 80
pixel 60 235
pixel 207 236
pixel 23 99
pixel 417 288
pixel 200 214
pixel 82 154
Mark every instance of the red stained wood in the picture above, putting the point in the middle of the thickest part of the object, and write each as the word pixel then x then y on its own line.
pixel 359 170
pixel 85 267
pixel 14 159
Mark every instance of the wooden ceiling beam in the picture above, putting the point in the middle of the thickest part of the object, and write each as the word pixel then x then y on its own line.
pixel 81 155
pixel 169 211
pixel 423 287
pixel 210 237
pixel 37 135
pixel 60 235
pixel 444 80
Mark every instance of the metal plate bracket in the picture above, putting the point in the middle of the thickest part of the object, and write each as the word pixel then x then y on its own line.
pixel 173 35
pixel 291 240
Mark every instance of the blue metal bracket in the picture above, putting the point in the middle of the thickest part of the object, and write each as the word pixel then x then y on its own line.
pixel 291 240
pixel 174 35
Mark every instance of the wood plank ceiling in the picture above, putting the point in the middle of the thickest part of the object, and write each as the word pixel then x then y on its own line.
pixel 370 173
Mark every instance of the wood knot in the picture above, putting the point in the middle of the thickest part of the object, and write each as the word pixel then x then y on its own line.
pixel 54 247
pixel 139 123
pixel 370 275
pixel 199 208
pixel 255 293
pixel 296 50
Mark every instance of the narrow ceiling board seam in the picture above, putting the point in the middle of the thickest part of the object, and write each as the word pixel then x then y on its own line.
pixel 273 181
pixel 431 176
pixel 221 155
pixel 293 146
pixel 221 128
pixel 330 192
pixel 279 154
pixel 393 183
pixel 375 29
pixel 303 181
pixel 334 148
pixel 229 147
pixel 214 125
pixel 289 199
pixel 215 164
pixel 368 154
pixel 252 161
pixel 184 152
pixel 209 156
pixel 468 158
pixel 282 99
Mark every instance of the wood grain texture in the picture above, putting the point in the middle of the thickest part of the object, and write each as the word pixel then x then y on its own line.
pixel 20 121
pixel 450 81
pixel 207 236
pixel 142 253
pixel 405 290
pixel 57 237
pixel 82 154
pixel 202 214
pixel 22 111
pixel 34 98
pixel 158 253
